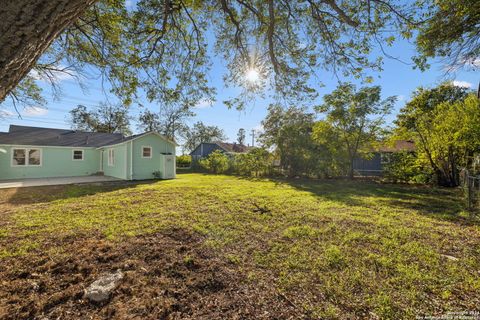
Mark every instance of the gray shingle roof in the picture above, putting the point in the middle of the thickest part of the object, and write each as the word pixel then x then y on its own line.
pixel 233 147
pixel 24 135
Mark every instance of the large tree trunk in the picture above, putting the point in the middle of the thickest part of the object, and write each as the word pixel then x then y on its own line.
pixel 27 28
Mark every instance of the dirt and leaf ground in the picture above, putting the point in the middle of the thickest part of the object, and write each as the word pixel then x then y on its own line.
pixel 222 247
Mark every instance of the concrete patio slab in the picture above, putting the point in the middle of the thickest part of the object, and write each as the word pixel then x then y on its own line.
pixel 37 182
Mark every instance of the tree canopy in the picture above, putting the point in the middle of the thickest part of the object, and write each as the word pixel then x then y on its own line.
pixel 443 122
pixel 354 120
pixel 105 118
pixel 170 121
pixel 162 47
pixel 288 132
pixel 451 32
pixel 201 132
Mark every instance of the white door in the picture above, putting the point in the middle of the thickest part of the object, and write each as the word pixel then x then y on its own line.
pixel 169 167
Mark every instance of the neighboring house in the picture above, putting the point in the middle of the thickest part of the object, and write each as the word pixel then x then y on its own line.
pixel 205 148
pixel 375 165
pixel 31 152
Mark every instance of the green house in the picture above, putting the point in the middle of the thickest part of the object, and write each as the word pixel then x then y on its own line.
pixel 32 152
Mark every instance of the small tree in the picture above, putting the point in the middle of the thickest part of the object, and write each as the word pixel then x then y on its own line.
pixel 256 162
pixel 354 119
pixel 241 136
pixel 288 131
pixel 404 167
pixel 216 162
pixel 201 132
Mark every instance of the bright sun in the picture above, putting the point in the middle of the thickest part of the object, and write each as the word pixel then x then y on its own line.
pixel 252 75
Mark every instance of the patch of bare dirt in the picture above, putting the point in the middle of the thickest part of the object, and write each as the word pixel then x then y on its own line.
pixel 167 276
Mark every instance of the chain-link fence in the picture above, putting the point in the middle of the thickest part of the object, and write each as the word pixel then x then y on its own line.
pixel 471 188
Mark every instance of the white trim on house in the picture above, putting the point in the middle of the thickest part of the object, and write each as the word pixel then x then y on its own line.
pixel 131 160
pixel 73 154
pixel 138 137
pixel 101 160
pixel 126 162
pixel 111 157
pixel 143 154
pixel 27 157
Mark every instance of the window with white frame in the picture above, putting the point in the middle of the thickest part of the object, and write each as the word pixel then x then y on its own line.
pixel 146 152
pixel 111 157
pixel 77 155
pixel 26 157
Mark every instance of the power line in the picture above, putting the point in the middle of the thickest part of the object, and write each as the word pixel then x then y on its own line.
pixel 30 119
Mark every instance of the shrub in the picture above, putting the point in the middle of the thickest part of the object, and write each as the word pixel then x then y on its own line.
pixel 256 162
pixel 404 167
pixel 216 162
pixel 184 161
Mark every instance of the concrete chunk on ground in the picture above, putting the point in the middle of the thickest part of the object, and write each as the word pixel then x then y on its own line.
pixel 100 289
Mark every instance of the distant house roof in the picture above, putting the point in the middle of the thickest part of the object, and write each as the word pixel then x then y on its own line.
pixel 398 146
pixel 233 147
pixel 209 147
pixel 35 136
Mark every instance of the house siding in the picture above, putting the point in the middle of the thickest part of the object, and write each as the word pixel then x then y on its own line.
pixel 129 163
pixel 56 162
pixel 203 150
pixel 143 168
pixel 369 167
pixel 119 168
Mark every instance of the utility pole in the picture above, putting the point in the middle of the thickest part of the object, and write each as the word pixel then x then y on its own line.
pixel 253 137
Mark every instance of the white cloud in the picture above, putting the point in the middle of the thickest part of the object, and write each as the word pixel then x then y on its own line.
pixel 400 97
pixel 35 111
pixel 204 103
pixel 463 84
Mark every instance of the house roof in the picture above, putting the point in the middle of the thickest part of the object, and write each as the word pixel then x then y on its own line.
pixel 35 136
pixel 233 147
pixel 135 136
pixel 225 146
pixel 398 146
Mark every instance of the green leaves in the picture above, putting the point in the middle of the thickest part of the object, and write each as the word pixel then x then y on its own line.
pixel 353 121
pixel 105 118
pixel 216 162
pixel 444 123
pixel 450 31
pixel 157 47
pixel 202 133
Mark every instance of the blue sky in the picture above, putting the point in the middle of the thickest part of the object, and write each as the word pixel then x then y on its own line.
pixel 396 79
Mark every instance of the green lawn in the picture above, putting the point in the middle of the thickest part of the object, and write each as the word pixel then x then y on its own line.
pixel 332 249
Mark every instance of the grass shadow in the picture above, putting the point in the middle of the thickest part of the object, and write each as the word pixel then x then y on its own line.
pixel 440 203
pixel 43 194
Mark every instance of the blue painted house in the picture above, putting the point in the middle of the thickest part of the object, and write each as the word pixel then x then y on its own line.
pixel 204 149
pixel 375 164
